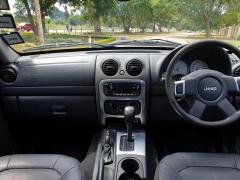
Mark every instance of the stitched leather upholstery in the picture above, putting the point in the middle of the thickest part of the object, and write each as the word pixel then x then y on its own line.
pixel 39 167
pixel 199 166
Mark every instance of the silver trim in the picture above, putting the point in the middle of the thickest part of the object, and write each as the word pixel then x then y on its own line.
pixel 175 88
pixel 236 79
pixel 139 144
pixel 141 99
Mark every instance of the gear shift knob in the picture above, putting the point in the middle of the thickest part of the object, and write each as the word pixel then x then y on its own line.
pixel 129 116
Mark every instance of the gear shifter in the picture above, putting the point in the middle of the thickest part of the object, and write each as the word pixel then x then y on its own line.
pixel 129 116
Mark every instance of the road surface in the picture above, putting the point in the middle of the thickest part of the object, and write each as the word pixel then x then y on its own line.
pixel 179 37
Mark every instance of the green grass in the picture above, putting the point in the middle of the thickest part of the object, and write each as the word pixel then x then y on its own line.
pixel 235 43
pixel 55 38
pixel 105 40
pixel 52 38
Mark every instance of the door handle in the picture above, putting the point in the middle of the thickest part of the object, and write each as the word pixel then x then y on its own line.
pixel 58 109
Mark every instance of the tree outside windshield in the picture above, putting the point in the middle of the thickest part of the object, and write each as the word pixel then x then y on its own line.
pixel 109 21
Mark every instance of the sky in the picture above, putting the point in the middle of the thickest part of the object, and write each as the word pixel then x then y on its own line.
pixel 12 2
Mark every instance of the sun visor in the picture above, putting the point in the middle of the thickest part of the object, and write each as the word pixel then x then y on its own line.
pixel 12 38
pixel 4 5
pixel 7 21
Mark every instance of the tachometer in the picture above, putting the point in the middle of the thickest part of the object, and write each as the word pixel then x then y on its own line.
pixel 180 69
pixel 198 65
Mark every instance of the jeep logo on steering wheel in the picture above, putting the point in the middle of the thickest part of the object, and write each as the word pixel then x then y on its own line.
pixel 210 88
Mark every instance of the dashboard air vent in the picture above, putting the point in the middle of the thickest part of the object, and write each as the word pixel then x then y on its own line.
pixel 134 67
pixel 8 75
pixel 110 67
pixel 237 72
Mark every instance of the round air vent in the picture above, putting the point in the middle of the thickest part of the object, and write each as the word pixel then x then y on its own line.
pixel 237 72
pixel 8 75
pixel 110 67
pixel 134 67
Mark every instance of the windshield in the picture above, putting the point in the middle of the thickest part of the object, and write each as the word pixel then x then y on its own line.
pixel 66 24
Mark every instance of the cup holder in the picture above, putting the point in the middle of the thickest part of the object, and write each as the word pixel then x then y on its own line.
pixel 130 168
pixel 126 176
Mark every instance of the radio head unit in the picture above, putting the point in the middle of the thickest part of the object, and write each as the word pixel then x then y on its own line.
pixel 127 89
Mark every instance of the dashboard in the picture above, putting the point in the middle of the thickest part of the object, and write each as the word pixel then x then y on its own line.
pixel 67 85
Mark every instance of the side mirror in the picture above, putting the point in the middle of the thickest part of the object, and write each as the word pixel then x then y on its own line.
pixel 4 5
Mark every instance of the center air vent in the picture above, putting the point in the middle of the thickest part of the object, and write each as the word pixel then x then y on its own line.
pixel 8 75
pixel 110 67
pixel 134 67
pixel 237 72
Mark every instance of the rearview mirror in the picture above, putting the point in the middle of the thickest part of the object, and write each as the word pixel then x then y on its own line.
pixel 4 5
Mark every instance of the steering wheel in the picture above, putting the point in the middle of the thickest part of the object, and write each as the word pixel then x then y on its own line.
pixel 205 87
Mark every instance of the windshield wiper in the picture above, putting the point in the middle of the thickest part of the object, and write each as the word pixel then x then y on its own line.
pixel 149 42
pixel 67 44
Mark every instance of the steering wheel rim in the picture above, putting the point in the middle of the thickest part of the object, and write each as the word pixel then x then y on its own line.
pixel 169 84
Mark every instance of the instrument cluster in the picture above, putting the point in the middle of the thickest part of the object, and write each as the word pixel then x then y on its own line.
pixel 182 68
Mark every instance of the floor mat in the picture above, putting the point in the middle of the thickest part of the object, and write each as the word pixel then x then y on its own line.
pixel 172 139
pixel 71 140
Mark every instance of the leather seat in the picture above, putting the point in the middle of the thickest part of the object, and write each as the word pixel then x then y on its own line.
pixel 39 167
pixel 199 166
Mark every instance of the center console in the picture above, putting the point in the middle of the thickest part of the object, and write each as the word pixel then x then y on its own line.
pixel 131 163
pixel 122 86
pixel 116 162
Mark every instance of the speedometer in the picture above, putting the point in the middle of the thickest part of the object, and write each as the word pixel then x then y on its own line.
pixel 180 68
pixel 198 65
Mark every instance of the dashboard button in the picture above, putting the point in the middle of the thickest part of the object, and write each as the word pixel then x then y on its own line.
pixel 179 88
pixel 122 72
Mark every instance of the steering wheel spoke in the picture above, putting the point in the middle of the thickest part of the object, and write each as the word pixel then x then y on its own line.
pixel 237 85
pixel 183 88
pixel 197 109
pixel 233 84
pixel 227 107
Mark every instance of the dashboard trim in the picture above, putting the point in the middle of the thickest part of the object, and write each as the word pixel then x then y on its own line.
pixel 141 99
